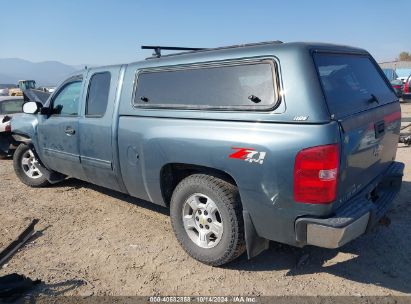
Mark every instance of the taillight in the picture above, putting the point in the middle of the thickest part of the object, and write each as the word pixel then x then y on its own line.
pixel 316 174
pixel 407 87
pixel 397 87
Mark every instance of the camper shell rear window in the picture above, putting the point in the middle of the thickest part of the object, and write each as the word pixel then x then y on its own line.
pixel 352 83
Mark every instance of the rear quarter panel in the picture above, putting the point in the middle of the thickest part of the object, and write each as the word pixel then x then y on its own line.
pixel 266 189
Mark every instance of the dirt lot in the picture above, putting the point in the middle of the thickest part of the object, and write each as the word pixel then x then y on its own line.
pixel 96 241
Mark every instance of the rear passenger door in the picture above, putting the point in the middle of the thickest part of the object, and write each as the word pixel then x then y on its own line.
pixel 96 122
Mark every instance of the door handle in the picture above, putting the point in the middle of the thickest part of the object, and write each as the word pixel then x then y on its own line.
pixel 70 131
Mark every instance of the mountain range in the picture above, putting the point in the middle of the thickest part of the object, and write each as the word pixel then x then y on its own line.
pixel 47 73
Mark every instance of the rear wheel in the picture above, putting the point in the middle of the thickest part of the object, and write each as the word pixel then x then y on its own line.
pixel 26 167
pixel 206 216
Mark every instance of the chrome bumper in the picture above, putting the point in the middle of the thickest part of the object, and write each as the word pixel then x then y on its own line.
pixel 331 237
pixel 355 217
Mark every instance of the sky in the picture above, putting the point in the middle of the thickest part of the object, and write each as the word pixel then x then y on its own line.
pixel 100 32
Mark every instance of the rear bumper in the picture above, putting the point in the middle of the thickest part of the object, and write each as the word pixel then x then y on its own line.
pixel 356 216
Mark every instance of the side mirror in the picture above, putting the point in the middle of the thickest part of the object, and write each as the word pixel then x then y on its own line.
pixel 31 107
pixel 45 111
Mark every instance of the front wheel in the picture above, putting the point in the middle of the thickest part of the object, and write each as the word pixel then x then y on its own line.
pixel 26 167
pixel 206 216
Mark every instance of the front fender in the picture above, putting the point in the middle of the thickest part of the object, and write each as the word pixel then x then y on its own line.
pixel 24 128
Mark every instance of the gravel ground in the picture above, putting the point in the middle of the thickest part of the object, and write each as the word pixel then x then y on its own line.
pixel 93 241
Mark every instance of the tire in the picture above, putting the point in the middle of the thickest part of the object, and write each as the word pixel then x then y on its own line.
pixel 23 161
pixel 224 216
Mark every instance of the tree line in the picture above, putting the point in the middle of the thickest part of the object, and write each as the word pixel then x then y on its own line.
pixel 404 56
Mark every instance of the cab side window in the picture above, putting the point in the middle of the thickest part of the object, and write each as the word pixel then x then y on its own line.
pixel 67 100
pixel 97 97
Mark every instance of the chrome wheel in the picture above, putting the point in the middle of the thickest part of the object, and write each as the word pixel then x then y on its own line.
pixel 29 165
pixel 202 220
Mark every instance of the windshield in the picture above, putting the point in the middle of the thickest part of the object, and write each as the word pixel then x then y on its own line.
pixel 11 106
pixel 351 83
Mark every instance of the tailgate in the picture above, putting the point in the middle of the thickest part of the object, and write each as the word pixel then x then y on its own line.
pixel 369 144
pixel 361 99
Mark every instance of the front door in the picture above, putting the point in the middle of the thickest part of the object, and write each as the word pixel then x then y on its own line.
pixel 58 132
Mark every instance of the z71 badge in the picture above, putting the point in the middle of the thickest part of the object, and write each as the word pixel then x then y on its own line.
pixel 248 155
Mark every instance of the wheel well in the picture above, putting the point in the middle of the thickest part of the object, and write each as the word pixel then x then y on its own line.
pixel 172 174
pixel 21 138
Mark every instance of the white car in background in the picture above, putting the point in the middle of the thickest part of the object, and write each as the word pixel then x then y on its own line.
pixel 9 106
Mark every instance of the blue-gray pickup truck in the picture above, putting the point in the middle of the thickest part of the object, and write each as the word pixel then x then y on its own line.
pixel 290 142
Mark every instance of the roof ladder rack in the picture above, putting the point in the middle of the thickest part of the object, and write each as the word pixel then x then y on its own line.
pixel 157 49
